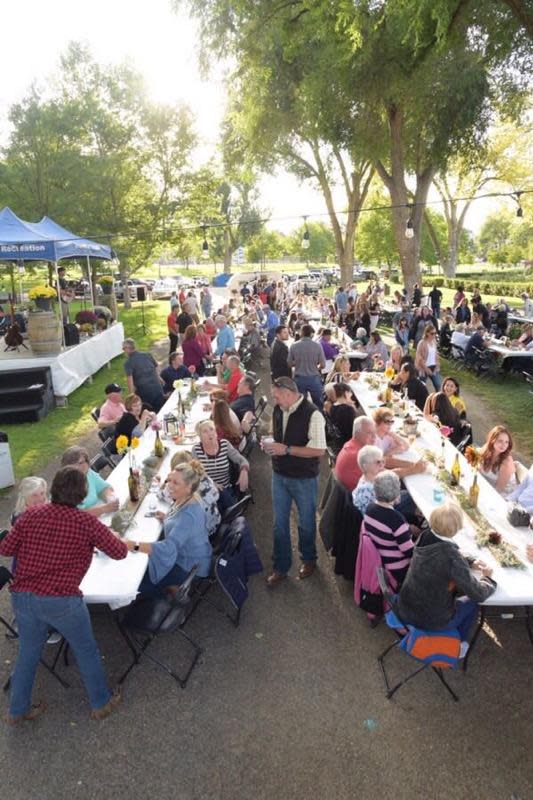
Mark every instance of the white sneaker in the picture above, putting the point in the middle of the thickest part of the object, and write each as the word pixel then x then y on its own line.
pixel 465 647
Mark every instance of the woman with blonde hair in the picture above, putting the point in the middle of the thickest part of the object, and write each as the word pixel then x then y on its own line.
pixel 186 540
pixel 341 371
pixel 395 358
pixel 216 457
pixel 427 359
pixel 207 490
pixel 32 492
pixel 439 577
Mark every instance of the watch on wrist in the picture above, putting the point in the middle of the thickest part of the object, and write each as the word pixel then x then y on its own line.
pixel 288 450
pixel 136 547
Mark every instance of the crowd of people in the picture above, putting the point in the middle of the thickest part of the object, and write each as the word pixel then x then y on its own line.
pixel 315 412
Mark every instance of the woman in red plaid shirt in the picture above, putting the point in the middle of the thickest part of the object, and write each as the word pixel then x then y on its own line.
pixel 53 545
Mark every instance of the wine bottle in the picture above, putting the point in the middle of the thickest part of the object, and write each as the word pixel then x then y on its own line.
pixel 442 459
pixel 455 471
pixel 133 486
pixel 473 494
pixel 159 450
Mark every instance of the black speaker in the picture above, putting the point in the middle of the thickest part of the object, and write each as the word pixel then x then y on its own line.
pixel 141 294
pixel 72 335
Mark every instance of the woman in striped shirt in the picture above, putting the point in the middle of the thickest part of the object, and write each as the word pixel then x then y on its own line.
pixel 387 527
pixel 216 458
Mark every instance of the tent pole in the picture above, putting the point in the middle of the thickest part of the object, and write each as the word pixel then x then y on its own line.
pixel 89 277
pixel 63 345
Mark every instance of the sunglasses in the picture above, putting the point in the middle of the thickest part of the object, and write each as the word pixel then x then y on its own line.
pixel 284 383
pixel 388 421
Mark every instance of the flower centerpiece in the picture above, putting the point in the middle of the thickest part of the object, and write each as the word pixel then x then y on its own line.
pixel 472 456
pixel 106 282
pixel 87 320
pixel 42 296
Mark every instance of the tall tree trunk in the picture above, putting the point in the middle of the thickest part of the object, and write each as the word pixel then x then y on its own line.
pixel 404 205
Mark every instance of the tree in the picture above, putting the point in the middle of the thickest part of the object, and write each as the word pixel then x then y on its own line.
pixel 266 246
pixel 99 157
pixel 495 238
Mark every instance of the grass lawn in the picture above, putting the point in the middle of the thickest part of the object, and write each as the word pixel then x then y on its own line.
pixel 34 444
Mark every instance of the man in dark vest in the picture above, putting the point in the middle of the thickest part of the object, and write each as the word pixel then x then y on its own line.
pixel 299 442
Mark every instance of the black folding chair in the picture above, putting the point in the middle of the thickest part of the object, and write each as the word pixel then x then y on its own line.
pixel 99 462
pixel 260 407
pixel 95 413
pixel 107 451
pixel 401 632
pixel 148 619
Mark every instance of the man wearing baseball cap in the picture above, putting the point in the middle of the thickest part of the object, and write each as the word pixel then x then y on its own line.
pixel 113 408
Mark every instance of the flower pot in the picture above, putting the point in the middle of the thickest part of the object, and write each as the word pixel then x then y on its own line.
pixel 107 288
pixel 44 303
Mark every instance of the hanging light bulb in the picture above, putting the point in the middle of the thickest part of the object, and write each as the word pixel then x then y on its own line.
pixel 205 245
pixel 409 232
pixel 519 210
pixel 306 237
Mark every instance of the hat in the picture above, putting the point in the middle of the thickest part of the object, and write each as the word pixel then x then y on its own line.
pixel 113 387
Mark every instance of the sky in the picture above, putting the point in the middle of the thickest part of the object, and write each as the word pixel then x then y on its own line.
pixel 161 45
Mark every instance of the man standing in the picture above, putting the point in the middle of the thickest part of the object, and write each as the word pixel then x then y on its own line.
pixel 435 297
pixel 190 306
pixel 65 294
pixel 142 377
pixel 183 320
pixel 299 443
pixel 341 300
pixel 174 302
pixel 279 354
pixel 271 323
pixel 225 335
pixel 206 301
pixel 173 330
pixel 307 358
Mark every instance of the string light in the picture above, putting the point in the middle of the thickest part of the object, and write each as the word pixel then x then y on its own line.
pixel 409 232
pixel 306 237
pixel 519 210
pixel 205 244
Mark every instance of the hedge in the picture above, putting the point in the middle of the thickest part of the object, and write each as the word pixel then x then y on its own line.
pixel 503 289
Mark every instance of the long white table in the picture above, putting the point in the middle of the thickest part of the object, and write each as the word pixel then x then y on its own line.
pixel 117 582
pixel 515 586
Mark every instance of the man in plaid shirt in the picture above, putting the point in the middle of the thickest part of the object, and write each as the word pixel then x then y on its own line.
pixel 53 545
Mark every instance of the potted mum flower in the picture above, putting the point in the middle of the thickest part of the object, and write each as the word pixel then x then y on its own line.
pixel 106 282
pixel 42 296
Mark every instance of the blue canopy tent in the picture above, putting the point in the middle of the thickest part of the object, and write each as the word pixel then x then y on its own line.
pixel 45 241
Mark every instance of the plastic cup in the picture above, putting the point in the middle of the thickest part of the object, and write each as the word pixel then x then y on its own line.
pixel 438 495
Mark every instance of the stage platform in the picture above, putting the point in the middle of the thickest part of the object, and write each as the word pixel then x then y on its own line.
pixel 74 365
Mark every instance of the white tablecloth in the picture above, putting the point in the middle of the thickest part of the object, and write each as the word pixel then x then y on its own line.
pixel 117 582
pixel 72 367
pixel 515 586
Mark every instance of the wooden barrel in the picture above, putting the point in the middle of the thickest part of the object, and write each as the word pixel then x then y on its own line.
pixel 44 332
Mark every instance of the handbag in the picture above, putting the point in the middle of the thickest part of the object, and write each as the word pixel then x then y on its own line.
pixel 517 516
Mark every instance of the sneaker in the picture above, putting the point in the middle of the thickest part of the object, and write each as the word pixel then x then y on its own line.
pixel 54 638
pixel 35 711
pixel 114 701
pixel 465 647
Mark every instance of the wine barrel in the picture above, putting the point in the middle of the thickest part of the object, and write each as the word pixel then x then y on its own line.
pixel 44 332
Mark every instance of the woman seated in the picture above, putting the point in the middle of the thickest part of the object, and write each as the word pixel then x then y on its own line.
pixel 135 420
pixel 372 461
pixel 186 539
pixel 193 352
pixel 174 372
pixel 526 336
pixel 387 528
pixel 33 491
pixel 342 411
pixel 408 381
pixel 386 439
pixel 226 426
pixel 207 491
pixel 377 350
pixel 361 337
pixel 341 371
pixel 100 497
pixel 395 358
pixel 440 591
pixel 439 410
pixel 496 460
pixel 216 457
pixel 445 333
pixel 451 388
pixel 204 341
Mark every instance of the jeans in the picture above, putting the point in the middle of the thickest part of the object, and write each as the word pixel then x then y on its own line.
pixel 35 614
pixel 304 492
pixel 175 577
pixel 311 384
pixel 464 618
pixel 434 377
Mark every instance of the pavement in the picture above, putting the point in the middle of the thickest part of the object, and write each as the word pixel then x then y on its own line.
pixel 290 704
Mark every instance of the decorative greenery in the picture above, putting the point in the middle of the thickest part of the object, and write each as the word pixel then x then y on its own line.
pixel 106 279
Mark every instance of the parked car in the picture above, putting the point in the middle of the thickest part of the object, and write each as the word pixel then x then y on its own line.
pixel 163 289
pixel 133 283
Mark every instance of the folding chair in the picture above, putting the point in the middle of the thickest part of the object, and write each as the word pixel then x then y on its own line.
pixel 437 651
pixel 148 619
pixel 95 413
pixel 107 451
pixel 458 357
pixel 251 439
pixel 260 407
pixel 238 509
pixel 98 462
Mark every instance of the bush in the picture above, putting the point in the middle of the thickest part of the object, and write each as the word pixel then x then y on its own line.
pixel 493 287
